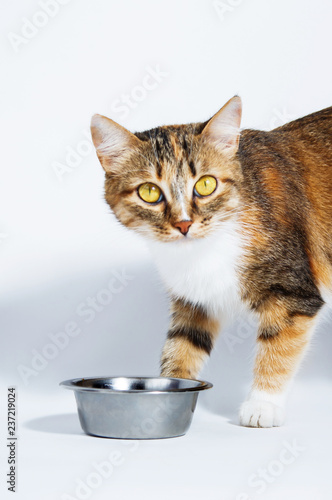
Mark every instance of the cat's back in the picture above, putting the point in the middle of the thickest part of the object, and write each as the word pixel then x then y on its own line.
pixel 292 161
pixel 294 141
pixel 288 178
pixel 318 124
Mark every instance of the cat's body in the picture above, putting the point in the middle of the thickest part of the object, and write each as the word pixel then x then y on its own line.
pixel 261 240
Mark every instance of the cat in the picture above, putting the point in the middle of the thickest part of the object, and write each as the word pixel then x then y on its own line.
pixel 234 219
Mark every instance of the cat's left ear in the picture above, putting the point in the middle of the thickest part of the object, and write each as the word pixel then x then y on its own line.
pixel 223 129
pixel 113 142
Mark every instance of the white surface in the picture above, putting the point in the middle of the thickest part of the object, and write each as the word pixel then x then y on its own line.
pixel 215 460
pixel 60 247
pixel 217 457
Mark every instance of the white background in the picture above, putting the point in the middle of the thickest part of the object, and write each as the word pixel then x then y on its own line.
pixel 60 245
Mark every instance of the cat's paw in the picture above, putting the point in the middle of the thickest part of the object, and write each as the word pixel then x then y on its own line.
pixel 261 414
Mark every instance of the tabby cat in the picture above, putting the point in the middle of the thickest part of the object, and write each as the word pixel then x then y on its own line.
pixel 234 219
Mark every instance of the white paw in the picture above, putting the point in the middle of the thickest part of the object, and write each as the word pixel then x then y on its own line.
pixel 261 414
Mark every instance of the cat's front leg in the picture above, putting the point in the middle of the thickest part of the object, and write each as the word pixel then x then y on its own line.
pixel 281 346
pixel 189 341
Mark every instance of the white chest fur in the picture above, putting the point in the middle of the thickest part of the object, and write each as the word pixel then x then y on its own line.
pixel 203 271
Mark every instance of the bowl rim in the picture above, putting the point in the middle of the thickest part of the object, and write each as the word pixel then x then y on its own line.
pixel 73 385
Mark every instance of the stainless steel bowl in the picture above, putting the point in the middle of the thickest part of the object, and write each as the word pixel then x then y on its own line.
pixel 136 407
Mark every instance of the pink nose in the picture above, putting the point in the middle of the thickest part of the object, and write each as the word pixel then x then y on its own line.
pixel 183 226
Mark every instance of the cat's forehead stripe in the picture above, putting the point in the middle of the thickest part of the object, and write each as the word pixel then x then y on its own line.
pixel 165 144
pixel 192 168
pixel 176 146
pixel 173 149
pixel 167 150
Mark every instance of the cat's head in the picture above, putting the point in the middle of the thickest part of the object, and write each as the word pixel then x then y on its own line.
pixel 173 182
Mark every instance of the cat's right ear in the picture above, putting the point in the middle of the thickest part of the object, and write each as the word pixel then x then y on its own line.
pixel 223 129
pixel 113 142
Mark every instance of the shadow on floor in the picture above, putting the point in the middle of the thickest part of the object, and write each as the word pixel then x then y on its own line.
pixel 67 423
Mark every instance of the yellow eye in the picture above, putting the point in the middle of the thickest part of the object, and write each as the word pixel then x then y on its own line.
pixel 205 186
pixel 150 192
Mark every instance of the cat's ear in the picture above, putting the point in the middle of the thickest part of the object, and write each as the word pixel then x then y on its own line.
pixel 113 142
pixel 223 129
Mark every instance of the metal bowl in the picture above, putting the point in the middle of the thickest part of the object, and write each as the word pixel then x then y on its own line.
pixel 136 407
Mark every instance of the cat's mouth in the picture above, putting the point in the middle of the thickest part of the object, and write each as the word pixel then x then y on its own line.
pixel 190 236
pixel 172 237
pixel 172 234
pixel 184 238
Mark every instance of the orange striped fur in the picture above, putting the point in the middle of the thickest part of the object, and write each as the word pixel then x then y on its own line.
pixel 262 238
